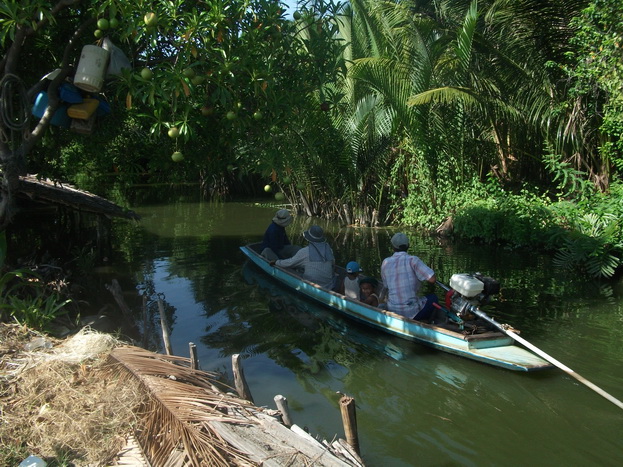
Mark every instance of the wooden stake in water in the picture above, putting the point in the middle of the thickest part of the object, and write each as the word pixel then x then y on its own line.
pixel 194 362
pixel 349 419
pixel 282 406
pixel 165 329
pixel 240 382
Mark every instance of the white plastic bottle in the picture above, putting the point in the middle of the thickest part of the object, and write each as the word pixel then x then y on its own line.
pixel 33 461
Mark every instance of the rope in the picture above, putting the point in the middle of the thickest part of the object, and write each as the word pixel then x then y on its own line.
pixel 14 108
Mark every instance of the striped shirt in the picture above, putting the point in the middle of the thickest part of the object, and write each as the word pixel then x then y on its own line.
pixel 403 274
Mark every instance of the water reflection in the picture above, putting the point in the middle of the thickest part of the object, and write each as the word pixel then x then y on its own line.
pixel 318 319
pixel 415 405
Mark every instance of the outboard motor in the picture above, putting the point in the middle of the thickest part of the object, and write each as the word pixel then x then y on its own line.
pixel 469 291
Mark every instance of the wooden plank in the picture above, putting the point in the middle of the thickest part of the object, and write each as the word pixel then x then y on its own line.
pixel 273 445
pixel 131 454
pixel 48 191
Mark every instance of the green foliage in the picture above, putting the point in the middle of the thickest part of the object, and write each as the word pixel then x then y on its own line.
pixel 36 312
pixel 594 247
pixel 594 244
pixel 399 108
pixel 3 247
pixel 596 71
pixel 12 280
pixel 12 454
pixel 612 149
pixel 518 220
pixel 572 183
pixel 586 236
pixel 427 205
pixel 24 298
pixel 245 57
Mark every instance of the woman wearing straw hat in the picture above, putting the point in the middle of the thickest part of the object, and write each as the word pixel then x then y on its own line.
pixel 275 244
pixel 316 259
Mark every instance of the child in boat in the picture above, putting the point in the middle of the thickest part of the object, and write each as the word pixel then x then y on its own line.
pixel 367 287
pixel 350 284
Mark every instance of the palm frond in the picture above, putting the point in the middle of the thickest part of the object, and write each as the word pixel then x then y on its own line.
pixel 181 405
pixel 465 38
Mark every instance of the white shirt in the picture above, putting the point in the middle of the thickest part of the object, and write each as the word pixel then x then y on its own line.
pixel 351 287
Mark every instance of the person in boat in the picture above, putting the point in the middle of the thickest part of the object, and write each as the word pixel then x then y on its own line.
pixel 350 283
pixel 403 275
pixel 276 244
pixel 367 287
pixel 316 259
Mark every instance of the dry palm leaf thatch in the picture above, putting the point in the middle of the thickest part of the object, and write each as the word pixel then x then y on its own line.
pixel 56 403
pixel 182 402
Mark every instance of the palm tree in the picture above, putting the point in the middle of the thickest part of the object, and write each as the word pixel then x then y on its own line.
pixel 341 142
pixel 469 86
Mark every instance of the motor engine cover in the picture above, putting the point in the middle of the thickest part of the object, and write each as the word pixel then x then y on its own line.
pixel 491 285
pixel 466 284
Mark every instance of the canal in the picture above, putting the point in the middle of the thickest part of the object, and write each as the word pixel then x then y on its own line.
pixel 415 405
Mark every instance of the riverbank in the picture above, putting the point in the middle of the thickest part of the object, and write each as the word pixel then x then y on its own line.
pixel 79 401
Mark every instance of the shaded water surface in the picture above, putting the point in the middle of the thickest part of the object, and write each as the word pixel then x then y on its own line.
pixel 415 406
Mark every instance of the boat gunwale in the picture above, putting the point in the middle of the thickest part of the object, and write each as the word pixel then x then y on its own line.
pixel 475 353
pixel 489 335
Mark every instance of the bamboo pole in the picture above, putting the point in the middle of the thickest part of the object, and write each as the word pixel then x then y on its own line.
pixel 241 385
pixel 194 362
pixel 144 321
pixel 552 360
pixel 349 419
pixel 282 406
pixel 539 352
pixel 165 329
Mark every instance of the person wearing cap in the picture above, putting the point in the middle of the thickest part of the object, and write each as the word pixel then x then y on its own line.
pixel 403 275
pixel 350 284
pixel 276 244
pixel 316 259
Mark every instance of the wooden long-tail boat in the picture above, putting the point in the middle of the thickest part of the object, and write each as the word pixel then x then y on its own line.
pixel 448 331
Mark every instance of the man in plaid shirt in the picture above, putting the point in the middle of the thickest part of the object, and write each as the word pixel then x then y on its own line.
pixel 403 275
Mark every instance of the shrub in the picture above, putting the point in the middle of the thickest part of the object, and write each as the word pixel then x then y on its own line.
pixel 23 298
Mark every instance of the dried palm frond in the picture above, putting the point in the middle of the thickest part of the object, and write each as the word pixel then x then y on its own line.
pixel 181 404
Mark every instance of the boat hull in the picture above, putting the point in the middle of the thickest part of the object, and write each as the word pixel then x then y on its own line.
pixel 494 348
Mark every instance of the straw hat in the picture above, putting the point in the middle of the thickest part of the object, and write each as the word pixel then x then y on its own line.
pixel 314 234
pixel 282 218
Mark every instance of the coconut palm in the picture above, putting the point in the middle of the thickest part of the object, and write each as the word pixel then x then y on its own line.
pixel 468 85
pixel 340 144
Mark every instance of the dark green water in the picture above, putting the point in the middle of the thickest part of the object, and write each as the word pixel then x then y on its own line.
pixel 415 406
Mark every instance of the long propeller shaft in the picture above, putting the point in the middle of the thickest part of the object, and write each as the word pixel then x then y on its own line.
pixel 506 330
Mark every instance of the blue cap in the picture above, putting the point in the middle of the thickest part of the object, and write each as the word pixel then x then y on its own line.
pixel 353 267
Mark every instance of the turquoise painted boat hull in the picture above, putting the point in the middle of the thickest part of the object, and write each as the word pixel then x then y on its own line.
pixel 494 348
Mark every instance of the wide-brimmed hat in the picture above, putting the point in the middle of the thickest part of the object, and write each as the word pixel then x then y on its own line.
pixel 400 241
pixel 282 218
pixel 314 234
pixel 353 267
